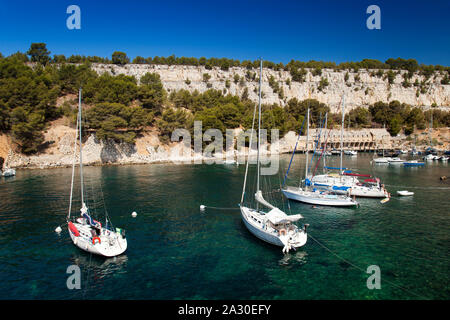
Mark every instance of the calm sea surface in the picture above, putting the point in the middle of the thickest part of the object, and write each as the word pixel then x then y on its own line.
pixel 175 251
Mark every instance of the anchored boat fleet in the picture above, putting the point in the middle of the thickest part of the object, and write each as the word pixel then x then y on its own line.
pixel 335 186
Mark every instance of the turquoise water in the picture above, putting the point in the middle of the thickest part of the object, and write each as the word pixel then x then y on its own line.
pixel 177 252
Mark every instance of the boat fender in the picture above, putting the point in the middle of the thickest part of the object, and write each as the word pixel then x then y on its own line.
pixel 73 229
pixel 96 238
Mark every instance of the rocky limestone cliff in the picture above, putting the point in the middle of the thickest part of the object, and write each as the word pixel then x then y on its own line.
pixel 148 148
pixel 363 92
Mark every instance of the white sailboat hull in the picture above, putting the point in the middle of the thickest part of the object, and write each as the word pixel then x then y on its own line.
pixel 367 192
pixel 346 185
pixel 396 161
pixel 315 198
pixel 108 246
pixel 381 160
pixel 261 231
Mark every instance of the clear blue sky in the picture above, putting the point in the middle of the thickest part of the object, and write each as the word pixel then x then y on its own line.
pixel 276 30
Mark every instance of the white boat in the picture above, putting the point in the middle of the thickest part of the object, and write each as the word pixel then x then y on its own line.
pixel 413 163
pixel 86 233
pixel 371 188
pixel 316 197
pixel 395 161
pixel 229 162
pixel 275 226
pixel 443 158
pixel 405 193
pixel 322 153
pixel 382 160
pixel 346 183
pixel 430 157
pixel 9 172
pixel 350 153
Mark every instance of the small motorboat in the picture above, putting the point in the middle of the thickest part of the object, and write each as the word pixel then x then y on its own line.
pixel 405 193
pixel 443 158
pixel 413 163
pixel 335 152
pixel 9 172
pixel 429 157
pixel 395 160
pixel 350 153
pixel 322 153
pixel 382 160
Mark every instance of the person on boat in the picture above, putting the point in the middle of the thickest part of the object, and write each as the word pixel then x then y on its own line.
pixel 93 223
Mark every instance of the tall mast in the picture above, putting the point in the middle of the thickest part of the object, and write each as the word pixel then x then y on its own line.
pixel 325 140
pixel 73 170
pixel 431 128
pixel 81 148
pixel 259 125
pixel 342 130
pixel 307 145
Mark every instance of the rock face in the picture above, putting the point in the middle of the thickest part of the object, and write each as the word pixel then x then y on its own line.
pixel 149 149
pixel 360 89
pixel 358 92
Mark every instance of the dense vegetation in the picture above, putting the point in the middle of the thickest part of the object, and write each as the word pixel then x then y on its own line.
pixel 119 108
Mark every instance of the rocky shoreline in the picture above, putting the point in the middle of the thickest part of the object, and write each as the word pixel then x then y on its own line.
pixel 148 149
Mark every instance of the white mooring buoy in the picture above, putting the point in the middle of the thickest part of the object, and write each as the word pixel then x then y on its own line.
pixel 202 208
pixel 58 229
pixel 134 214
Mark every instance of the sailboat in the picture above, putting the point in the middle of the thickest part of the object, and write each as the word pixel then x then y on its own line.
pixel 347 182
pixel 382 159
pixel 313 195
pixel 352 153
pixel 430 152
pixel 86 233
pixel 274 226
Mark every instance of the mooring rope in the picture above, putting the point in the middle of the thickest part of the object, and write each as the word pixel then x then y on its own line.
pixel 361 269
pixel 423 188
pixel 220 208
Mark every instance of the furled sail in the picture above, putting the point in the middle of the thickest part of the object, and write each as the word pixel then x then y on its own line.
pixel 259 197
pixel 277 216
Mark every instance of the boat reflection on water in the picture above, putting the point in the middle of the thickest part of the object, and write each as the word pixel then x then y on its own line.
pixel 297 257
pixel 98 267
